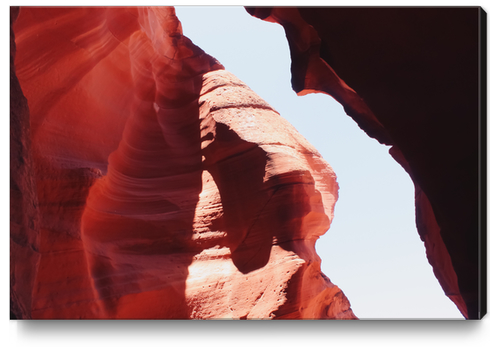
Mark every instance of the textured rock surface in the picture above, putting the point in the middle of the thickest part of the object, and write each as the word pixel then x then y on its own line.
pixel 156 184
pixel 410 78
pixel 24 214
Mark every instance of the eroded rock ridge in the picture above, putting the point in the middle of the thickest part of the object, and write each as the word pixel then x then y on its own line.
pixel 149 182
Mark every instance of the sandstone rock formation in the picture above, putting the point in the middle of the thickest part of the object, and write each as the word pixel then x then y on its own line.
pixel 24 213
pixel 148 182
pixel 410 77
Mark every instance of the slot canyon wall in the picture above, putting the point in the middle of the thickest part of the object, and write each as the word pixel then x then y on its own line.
pixel 148 182
pixel 411 78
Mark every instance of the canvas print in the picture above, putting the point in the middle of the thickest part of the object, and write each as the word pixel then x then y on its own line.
pixel 247 163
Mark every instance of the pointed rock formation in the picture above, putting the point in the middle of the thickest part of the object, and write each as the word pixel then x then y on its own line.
pixel 166 188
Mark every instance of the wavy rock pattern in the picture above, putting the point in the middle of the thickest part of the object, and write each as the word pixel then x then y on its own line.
pixel 410 78
pixel 166 187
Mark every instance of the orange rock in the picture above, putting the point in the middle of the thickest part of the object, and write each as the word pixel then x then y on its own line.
pixel 166 187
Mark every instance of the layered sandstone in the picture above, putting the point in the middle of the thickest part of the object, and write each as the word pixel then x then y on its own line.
pixel 410 78
pixel 153 183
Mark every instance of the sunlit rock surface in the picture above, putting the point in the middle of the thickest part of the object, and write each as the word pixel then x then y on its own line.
pixel 148 182
pixel 410 78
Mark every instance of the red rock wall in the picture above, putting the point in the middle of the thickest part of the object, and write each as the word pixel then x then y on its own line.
pixel 166 187
pixel 410 78
pixel 24 212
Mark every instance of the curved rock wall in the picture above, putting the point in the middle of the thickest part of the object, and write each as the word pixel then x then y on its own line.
pixel 166 187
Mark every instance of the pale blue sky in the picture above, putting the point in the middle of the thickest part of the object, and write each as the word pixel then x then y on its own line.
pixel 372 251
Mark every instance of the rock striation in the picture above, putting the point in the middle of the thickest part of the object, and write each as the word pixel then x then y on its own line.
pixel 410 77
pixel 148 182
